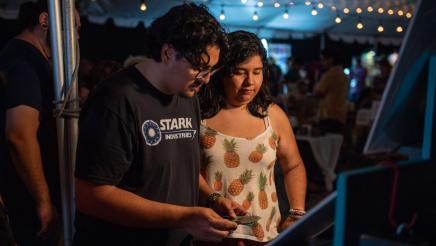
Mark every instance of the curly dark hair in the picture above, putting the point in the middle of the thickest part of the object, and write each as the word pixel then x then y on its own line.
pixel 190 29
pixel 242 46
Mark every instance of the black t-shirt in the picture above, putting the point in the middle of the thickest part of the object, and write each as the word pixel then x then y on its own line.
pixel 29 82
pixel 143 141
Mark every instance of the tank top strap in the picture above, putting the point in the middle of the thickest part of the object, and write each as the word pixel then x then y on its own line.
pixel 266 121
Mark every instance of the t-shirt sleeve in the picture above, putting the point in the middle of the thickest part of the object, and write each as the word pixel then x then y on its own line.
pixel 22 87
pixel 105 146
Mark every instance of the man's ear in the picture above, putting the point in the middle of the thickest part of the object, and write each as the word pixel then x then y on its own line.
pixel 168 53
pixel 43 21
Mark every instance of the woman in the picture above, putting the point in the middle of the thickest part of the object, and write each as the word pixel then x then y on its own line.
pixel 243 134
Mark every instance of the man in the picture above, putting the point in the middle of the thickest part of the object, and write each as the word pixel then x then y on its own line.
pixel 137 172
pixel 28 151
pixel 332 90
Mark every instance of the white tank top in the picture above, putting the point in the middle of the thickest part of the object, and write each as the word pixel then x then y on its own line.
pixel 243 170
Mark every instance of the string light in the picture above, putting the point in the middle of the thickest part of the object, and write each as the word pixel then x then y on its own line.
pixel 276 4
pixel 255 16
pixel 143 6
pixel 399 29
pixel 320 5
pixel 286 14
pixel 222 15
pixel 380 28
pixel 359 24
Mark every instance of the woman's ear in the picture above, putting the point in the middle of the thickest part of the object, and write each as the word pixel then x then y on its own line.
pixel 43 21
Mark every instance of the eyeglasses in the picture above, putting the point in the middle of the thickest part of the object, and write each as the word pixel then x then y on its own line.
pixel 203 73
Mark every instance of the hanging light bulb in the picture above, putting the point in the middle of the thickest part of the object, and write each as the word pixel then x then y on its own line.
pixel 370 9
pixel 276 4
pixel 408 15
pixel 143 6
pixel 390 12
pixel 380 28
pixel 380 10
pixel 286 15
pixel 359 24
pixel 307 3
pixel 359 10
pixel 338 19
pixel 320 5
pixel 346 11
pixel 222 15
pixel 399 29
pixel 333 8
pixel 260 3
pixel 243 1
pixel 400 12
pixel 314 11
pixel 255 16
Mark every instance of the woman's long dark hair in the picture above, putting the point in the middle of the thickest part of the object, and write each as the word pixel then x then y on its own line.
pixel 242 46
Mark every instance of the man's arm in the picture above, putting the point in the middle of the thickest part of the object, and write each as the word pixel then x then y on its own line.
pixel 118 206
pixel 21 131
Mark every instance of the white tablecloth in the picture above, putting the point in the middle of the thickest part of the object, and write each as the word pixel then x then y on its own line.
pixel 326 151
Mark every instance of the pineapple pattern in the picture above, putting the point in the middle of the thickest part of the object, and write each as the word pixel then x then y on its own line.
pixel 263 198
pixel 270 219
pixel 231 157
pixel 258 231
pixel 242 170
pixel 257 155
pixel 218 185
pixel 237 185
pixel 208 139
pixel 246 204
pixel 274 196
pixel 273 140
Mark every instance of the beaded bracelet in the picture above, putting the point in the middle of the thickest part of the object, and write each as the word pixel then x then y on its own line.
pixel 212 198
pixel 296 213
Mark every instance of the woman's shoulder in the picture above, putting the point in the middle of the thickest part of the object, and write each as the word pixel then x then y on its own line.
pixel 275 111
pixel 277 116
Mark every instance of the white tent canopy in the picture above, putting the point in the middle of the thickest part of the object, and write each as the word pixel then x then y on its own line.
pixel 271 23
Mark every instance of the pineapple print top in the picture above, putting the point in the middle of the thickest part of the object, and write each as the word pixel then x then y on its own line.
pixel 243 170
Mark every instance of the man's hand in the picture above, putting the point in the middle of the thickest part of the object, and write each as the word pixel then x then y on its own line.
pixel 206 225
pixel 228 207
pixel 49 219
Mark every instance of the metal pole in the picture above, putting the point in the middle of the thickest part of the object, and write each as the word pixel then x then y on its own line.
pixel 58 78
pixel 71 119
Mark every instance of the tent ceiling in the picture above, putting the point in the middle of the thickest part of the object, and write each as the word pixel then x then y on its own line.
pixel 271 23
